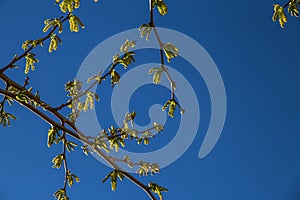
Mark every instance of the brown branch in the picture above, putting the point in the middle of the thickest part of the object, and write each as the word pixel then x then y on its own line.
pixel 17 58
pixel 40 114
pixel 45 105
pixel 73 132
pixel 26 82
pixel 82 139
pixel 65 161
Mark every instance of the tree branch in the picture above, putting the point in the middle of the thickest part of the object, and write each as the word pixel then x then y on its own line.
pixel 17 58
pixel 161 51
pixel 82 139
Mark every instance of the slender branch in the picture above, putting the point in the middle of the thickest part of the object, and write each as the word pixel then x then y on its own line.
pixel 26 82
pixel 40 114
pixel 123 161
pixel 88 89
pixel 285 5
pixel 46 106
pixel 82 139
pixel 161 51
pixel 72 129
pixel 65 161
pixel 17 58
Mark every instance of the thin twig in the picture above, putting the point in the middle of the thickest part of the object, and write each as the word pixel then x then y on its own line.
pixel 17 58
pixel 82 139
pixel 161 51
pixel 285 5
pixel 65 160
pixel 88 89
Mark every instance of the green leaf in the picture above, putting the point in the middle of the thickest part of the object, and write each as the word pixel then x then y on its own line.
pixel 127 45
pixel 158 127
pixel 172 105
pixel 75 22
pixel 52 23
pixel 54 42
pixel 161 6
pixel 5 118
pixel 157 189
pixel 85 150
pixel 279 15
pixel 170 50
pixel 100 141
pixel 70 146
pixel 146 168
pixel 71 177
pixel 126 59
pixel 73 87
pixel 145 30
pixel 114 175
pixel 293 9
pixel 61 194
pixel 68 5
pixel 30 62
pixel 115 78
pixel 157 74
pixel 32 43
pixel 53 136
pixel 90 101
pixel 57 161
pixel 96 77
pixel 129 117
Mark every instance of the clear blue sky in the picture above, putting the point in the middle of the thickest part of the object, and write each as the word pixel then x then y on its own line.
pixel 257 156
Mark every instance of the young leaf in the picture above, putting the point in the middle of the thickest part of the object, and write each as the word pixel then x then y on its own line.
pixel 161 6
pixel 85 150
pixel 68 5
pixel 54 42
pixel 71 178
pixel 61 194
pixel 5 118
pixel 172 105
pixel 129 117
pixel 115 78
pixel 114 175
pixel 53 135
pixel 70 146
pixel 30 62
pixel 75 22
pixel 170 50
pixel 126 59
pixel 128 44
pixel 32 43
pixel 57 161
pixel 89 102
pixel 53 23
pixel 157 74
pixel 157 189
pixel 158 127
pixel 293 9
pixel 279 15
pixel 145 30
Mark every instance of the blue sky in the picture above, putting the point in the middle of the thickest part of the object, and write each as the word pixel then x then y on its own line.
pixel 257 156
